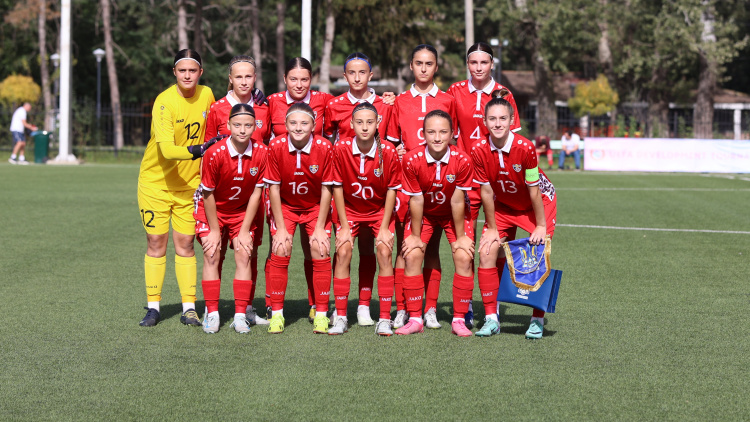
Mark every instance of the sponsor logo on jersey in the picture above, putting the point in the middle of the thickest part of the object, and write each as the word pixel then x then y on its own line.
pixel 437 185
pixel 362 177
pixel 478 116
pixel 299 173
pixel 378 172
pixel 253 171
pixel 450 178
pixel 504 173
pixel 180 121
pixel 239 178
pixel 259 123
pixel 314 168
pixel 517 167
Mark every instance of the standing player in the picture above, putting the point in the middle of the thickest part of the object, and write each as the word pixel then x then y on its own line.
pixel 167 181
pixel 406 131
pixel 366 175
pixel 471 96
pixel 518 194
pixel 300 175
pixel 18 125
pixel 241 90
pixel 297 77
pixel 338 118
pixel 435 177
pixel 232 186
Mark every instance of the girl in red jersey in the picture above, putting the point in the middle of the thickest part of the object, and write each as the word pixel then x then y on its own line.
pixel 300 175
pixel 232 185
pixel 518 194
pixel 435 177
pixel 405 130
pixel 297 77
pixel 366 177
pixel 241 90
pixel 338 118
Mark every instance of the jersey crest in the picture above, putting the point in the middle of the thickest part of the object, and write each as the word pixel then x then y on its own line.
pixel 517 167
pixel 314 168
pixel 253 171
pixel 204 115
pixel 378 172
pixel 259 123
pixel 450 178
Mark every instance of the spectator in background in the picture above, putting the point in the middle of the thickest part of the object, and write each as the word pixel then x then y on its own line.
pixel 543 148
pixel 570 144
pixel 18 124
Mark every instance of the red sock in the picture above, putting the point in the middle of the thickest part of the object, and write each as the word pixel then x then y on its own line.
pixel 322 283
pixel 463 287
pixel 211 292
pixel 385 292
pixel 367 267
pixel 413 289
pixel 253 276
pixel 310 284
pixel 432 287
pixel 341 288
pixel 268 290
pixel 500 264
pixel 488 285
pixel 398 280
pixel 242 289
pixel 277 277
pixel 537 313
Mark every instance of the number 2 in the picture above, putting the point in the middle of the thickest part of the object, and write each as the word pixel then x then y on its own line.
pixel 233 197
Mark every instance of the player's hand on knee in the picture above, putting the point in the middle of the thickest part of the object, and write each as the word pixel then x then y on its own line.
pixel 411 243
pixel 489 238
pixel 343 237
pixel 323 242
pixel 385 237
pixel 211 243
pixel 465 244
pixel 245 241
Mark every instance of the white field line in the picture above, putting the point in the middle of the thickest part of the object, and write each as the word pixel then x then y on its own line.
pixel 650 229
pixel 656 189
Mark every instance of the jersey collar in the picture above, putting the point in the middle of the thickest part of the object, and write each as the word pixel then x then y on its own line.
pixel 356 151
pixel 305 149
pixel 233 102
pixel 487 89
pixel 370 99
pixel 432 92
pixel 290 100
pixel 430 160
pixel 233 152
pixel 506 147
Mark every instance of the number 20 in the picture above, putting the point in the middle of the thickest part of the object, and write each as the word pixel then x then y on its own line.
pixel 366 191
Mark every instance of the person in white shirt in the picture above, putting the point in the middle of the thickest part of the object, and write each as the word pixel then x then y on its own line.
pixel 18 124
pixel 570 144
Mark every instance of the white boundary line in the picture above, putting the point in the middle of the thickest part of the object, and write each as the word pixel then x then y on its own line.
pixel 655 189
pixel 586 226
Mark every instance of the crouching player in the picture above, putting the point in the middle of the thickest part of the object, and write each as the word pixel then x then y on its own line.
pixel 366 174
pixel 435 178
pixel 232 186
pixel 518 194
pixel 300 175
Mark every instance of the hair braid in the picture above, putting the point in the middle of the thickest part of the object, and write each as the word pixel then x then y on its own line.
pixel 380 150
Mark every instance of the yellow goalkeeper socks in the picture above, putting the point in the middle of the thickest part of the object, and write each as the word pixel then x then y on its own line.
pixel 185 271
pixel 154 269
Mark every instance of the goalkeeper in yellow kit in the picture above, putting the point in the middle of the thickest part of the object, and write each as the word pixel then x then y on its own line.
pixel 168 179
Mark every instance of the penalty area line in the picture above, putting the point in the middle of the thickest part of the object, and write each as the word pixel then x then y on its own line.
pixel 652 229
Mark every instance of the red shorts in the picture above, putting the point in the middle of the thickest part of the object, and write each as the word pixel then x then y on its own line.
pixel 402 206
pixel 508 219
pixel 429 224
pixel 370 226
pixel 258 225
pixel 475 203
pixel 229 225
pixel 307 219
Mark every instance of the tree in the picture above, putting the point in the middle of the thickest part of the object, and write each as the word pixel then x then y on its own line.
pixel 114 88
pixel 18 89
pixel 198 27
pixel 594 98
pixel 325 61
pixel 182 37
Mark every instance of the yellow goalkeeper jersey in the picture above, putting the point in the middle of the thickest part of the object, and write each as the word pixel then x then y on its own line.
pixel 178 119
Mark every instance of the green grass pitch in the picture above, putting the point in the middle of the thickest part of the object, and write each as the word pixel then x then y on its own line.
pixel 650 325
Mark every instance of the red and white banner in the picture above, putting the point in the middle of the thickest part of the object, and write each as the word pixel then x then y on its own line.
pixel 667 155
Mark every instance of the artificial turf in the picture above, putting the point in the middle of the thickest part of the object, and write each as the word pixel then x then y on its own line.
pixel 649 324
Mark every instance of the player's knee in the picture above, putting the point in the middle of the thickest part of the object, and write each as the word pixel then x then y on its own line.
pixel 384 253
pixel 156 245
pixel 462 260
pixel 344 253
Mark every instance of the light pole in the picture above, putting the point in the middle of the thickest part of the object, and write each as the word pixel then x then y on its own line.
pixel 99 54
pixel 56 62
pixel 495 43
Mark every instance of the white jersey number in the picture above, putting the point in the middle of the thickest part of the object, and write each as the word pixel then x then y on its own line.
pixel 438 197
pixel 236 195
pixel 508 186
pixel 299 189
pixel 363 192
pixel 476 134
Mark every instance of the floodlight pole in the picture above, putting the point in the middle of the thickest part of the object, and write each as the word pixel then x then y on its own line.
pixel 306 29
pixel 65 154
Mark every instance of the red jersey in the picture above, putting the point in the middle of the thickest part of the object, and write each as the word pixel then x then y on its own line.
pixel 301 173
pixel 365 185
pixel 280 102
pixel 509 171
pixel 232 176
pixel 470 104
pixel 338 115
pixel 437 180
pixel 407 119
pixel 218 116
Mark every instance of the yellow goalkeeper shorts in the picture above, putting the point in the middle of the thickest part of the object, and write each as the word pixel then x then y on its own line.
pixel 157 207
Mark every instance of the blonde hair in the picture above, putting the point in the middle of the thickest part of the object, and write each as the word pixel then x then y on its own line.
pixel 235 60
